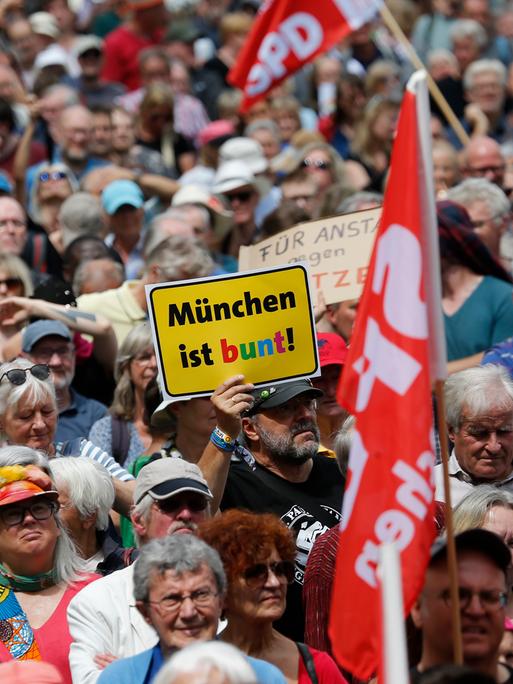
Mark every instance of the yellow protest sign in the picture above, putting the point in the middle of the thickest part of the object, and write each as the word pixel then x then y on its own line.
pixel 258 323
pixel 337 249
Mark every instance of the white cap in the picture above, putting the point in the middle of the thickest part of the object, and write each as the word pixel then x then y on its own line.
pixel 84 43
pixel 232 175
pixel 44 24
pixel 53 55
pixel 246 150
pixel 222 219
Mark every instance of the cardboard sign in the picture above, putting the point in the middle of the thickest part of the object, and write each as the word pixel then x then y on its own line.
pixel 258 323
pixel 337 249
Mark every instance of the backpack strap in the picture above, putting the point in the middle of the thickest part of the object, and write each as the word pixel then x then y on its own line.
pixel 120 439
pixel 304 651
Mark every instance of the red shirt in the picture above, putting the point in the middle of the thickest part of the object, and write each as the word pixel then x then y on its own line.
pixel 121 50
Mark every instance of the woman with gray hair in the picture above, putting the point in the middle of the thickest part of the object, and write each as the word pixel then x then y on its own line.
pixel 489 508
pixel 40 571
pixel 86 496
pixel 123 433
pixel 207 663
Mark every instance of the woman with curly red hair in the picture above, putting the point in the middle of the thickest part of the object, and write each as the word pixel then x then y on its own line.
pixel 258 553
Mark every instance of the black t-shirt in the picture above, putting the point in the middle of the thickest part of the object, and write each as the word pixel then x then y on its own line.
pixel 416 676
pixel 307 508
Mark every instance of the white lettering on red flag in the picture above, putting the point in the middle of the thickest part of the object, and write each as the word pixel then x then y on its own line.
pixel 289 33
pixel 389 495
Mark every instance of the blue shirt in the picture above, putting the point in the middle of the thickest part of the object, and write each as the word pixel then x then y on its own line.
pixel 78 419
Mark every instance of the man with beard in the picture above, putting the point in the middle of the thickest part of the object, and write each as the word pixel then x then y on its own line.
pixel 278 428
pixel 51 342
pixel 170 497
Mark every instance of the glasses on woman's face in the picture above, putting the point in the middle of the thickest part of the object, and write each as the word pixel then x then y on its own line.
pixel 316 164
pixel 256 575
pixel 11 283
pixel 173 602
pixel 51 175
pixel 144 358
pixel 39 510
pixel 18 376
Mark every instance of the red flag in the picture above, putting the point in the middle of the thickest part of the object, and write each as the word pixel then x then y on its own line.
pixel 386 385
pixel 290 33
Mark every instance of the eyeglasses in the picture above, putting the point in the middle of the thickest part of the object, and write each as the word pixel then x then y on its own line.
pixel 144 358
pixel 18 376
pixel 173 602
pixel 243 196
pixel 11 283
pixel 52 175
pixel 476 172
pixel 175 503
pixel 316 164
pixel 256 575
pixel 483 222
pixel 45 354
pixel 39 510
pixel 489 599
pixel 13 222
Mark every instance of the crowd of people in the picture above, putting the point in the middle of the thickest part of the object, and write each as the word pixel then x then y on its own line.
pixel 145 541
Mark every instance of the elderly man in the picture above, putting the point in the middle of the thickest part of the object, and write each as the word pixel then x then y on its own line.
pixel 490 212
pixel 484 85
pixel 484 159
pixel 483 560
pixel 179 588
pixel 479 403
pixel 279 431
pixel 175 258
pixel 171 497
pixel 51 343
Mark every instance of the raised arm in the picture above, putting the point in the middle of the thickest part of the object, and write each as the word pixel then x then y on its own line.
pixel 230 399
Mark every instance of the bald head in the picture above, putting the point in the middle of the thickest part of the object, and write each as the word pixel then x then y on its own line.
pixel 76 125
pixel 484 159
pixel 97 275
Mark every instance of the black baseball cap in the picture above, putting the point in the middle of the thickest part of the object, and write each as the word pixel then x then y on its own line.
pixel 483 541
pixel 272 396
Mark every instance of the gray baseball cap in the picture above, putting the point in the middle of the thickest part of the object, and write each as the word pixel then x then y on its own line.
pixel 166 477
pixel 272 396
pixel 43 328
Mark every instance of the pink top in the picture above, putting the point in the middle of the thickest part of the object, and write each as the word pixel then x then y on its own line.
pixel 53 638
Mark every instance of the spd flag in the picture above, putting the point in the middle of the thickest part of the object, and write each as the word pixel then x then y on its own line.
pixel 289 33
pixel 386 384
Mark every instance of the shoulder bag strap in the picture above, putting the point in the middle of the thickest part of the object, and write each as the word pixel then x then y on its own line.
pixel 308 661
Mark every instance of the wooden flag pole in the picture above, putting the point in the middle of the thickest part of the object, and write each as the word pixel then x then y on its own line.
pixel 450 116
pixel 451 548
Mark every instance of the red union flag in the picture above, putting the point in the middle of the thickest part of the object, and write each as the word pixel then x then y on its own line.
pixel 290 33
pixel 389 496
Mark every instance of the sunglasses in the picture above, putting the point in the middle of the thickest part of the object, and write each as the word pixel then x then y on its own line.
pixel 244 196
pixel 11 283
pixel 315 164
pixel 18 376
pixel 52 175
pixel 174 504
pixel 256 575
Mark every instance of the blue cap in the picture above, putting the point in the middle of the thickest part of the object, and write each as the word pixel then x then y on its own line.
pixel 121 192
pixel 43 328
pixel 5 184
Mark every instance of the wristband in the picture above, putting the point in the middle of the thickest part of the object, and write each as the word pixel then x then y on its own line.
pixel 221 440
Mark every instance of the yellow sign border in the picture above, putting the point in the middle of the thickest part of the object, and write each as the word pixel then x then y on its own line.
pixel 150 289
